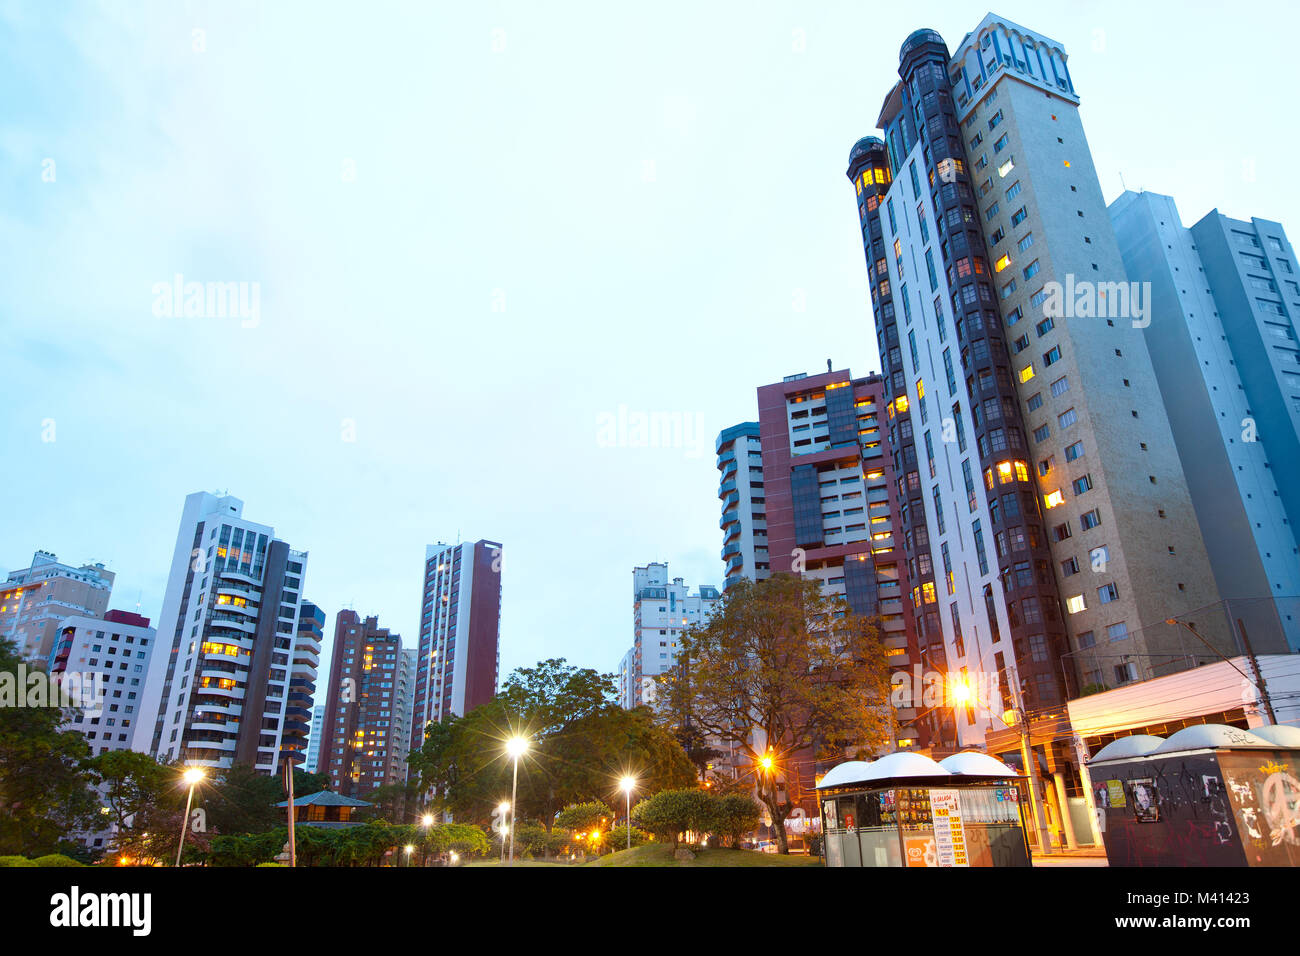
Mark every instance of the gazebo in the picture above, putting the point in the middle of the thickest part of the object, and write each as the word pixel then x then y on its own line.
pixel 906 809
pixel 325 809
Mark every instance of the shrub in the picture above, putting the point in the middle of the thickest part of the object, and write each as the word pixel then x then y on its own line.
pixel 669 813
pixel 55 859
pixel 733 815
pixel 15 861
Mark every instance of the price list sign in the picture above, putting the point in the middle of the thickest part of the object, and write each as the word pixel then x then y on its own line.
pixel 949 834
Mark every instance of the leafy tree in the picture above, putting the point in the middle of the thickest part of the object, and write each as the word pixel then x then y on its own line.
pixel 733 815
pixel 134 787
pixel 783 664
pixel 305 783
pixel 670 813
pixel 45 792
pixel 243 800
pixel 580 743
pixel 390 802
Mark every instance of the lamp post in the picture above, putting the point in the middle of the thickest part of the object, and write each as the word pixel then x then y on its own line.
pixel 515 747
pixel 504 808
pixel 629 784
pixel 426 821
pixel 193 776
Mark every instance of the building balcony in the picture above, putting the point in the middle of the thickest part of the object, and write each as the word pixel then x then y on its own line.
pixel 730 549
pixel 726 488
pixel 729 517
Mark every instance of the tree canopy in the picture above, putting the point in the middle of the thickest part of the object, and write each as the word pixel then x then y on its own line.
pixel 781 665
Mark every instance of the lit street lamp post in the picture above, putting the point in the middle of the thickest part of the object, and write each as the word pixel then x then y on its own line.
pixel 629 784
pixel 193 776
pixel 504 807
pixel 515 746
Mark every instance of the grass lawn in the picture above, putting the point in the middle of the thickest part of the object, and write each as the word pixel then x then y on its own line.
pixel 658 854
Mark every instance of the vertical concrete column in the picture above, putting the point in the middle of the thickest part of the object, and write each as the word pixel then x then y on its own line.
pixel 1063 803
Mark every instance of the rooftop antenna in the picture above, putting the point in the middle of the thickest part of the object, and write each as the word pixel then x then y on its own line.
pixel 828 366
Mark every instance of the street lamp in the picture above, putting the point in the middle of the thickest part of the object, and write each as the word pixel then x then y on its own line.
pixel 193 777
pixel 629 784
pixel 503 808
pixel 515 747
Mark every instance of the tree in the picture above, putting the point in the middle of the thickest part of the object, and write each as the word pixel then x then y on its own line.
pixel 781 666
pixel 135 788
pixel 244 801
pixel 670 813
pixel 580 743
pixel 305 783
pixel 45 788
pixel 733 815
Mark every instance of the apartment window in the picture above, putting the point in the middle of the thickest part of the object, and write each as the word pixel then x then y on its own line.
pixel 1019 216
pixel 1035 401
pixel 1089 519
pixel 994 120
pixel 1107 593
pixel 1075 604
pixel 1060 386
pixel 1052 356
pixel 1074 451
pixel 993 211
pixel 1031 270
pixel 1008 289
pixel 1081 485
pixel 1061 531
pixel 1042 432
pixel 1069 567
pixel 1001 144
pixel 1067 418
pixel 1044 327
pixel 1026 242
pixel 1117 632
pixel 1013 190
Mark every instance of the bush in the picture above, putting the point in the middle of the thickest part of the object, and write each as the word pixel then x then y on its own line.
pixel 733 815
pixel 617 838
pixel 270 864
pixel 55 859
pixel 15 861
pixel 669 813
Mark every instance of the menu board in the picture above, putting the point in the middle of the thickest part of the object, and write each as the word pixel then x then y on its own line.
pixel 949 833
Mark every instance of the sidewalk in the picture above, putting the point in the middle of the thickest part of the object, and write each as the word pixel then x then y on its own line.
pixel 1084 856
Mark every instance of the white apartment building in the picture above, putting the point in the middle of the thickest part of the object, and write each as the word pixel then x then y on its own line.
pixel 661 612
pixel 229 623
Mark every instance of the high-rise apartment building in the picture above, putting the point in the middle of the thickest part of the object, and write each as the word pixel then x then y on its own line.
pixel 1223 344
pixel 404 710
pixel 362 732
pixel 833 506
pixel 313 739
pixel 460 623
pixel 1024 419
pixel 219 687
pixel 744 521
pixel 35 600
pixel 661 612
pixel 111 655
pixel 302 685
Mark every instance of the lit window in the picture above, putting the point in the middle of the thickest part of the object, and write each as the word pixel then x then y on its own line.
pixel 1003 262
pixel 1075 604
pixel 1026 373
pixel 1054 499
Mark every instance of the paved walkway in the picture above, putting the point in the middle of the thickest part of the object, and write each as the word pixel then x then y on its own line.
pixel 1087 856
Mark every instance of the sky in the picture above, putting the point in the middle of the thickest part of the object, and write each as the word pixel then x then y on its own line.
pixel 477 237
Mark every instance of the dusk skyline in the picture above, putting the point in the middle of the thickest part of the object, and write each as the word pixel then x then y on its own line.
pixel 586 212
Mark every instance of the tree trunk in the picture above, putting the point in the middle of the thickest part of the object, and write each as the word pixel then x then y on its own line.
pixel 778 813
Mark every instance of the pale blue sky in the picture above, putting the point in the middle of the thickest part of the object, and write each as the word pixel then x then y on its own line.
pixel 649 191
